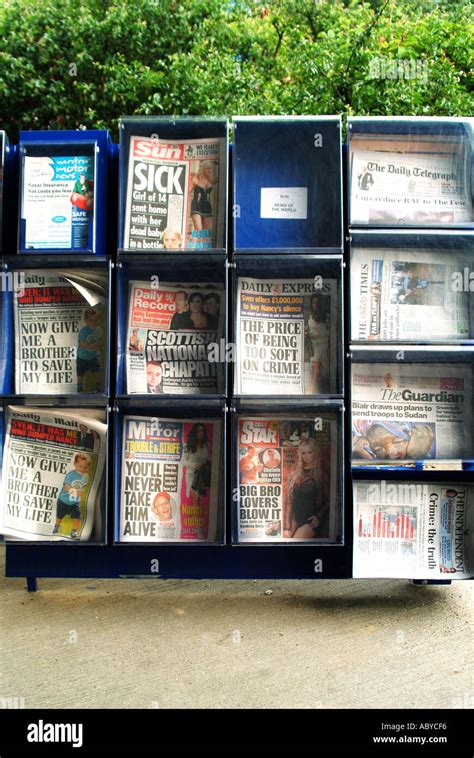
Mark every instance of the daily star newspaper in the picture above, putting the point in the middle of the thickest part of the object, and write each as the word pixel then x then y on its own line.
pixel 287 479
pixel 413 531
pixel 412 412
pixel 171 331
pixel 409 295
pixel 287 335
pixel 60 331
pixel 175 194
pixel 170 480
pixel 53 462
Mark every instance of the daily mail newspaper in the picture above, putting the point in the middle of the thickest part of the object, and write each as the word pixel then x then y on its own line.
pixel 287 479
pixel 60 332
pixel 53 463
pixel 287 335
pixel 170 480
pixel 175 194
pixel 409 295
pixel 413 531
pixel 411 412
pixel 171 332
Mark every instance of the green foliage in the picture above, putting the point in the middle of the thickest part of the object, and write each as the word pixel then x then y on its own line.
pixel 66 64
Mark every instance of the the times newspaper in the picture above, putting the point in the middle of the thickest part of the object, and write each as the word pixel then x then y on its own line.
pixel 412 412
pixel 409 295
pixel 170 486
pixel 175 194
pixel 391 183
pixel 60 320
pixel 287 336
pixel 172 331
pixel 413 530
pixel 287 479
pixel 53 463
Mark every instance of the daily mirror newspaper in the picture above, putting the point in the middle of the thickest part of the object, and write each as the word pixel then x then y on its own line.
pixel 170 484
pixel 409 295
pixel 53 463
pixel 411 412
pixel 171 330
pixel 413 531
pixel 287 336
pixel 287 479
pixel 175 194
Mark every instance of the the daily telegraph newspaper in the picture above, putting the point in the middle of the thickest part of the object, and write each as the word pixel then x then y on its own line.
pixel 58 201
pixel 172 331
pixel 60 331
pixel 393 187
pixel 170 480
pixel 413 412
pixel 409 295
pixel 175 194
pixel 287 336
pixel 53 462
pixel 287 479
pixel 413 531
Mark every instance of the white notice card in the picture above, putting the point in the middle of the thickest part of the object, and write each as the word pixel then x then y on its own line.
pixel 284 202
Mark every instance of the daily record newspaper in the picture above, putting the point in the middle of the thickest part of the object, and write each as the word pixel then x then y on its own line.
pixel 171 329
pixel 412 187
pixel 60 320
pixel 409 295
pixel 176 194
pixel 411 412
pixel 170 484
pixel 413 531
pixel 53 462
pixel 287 336
pixel 287 479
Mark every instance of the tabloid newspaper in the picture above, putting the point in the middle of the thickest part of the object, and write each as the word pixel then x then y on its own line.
pixel 170 485
pixel 411 412
pixel 393 185
pixel 58 202
pixel 53 462
pixel 287 335
pixel 172 330
pixel 409 295
pixel 60 331
pixel 287 479
pixel 176 194
pixel 413 531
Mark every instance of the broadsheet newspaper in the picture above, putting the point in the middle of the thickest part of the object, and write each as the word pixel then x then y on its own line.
pixel 287 336
pixel 175 194
pixel 60 331
pixel 413 531
pixel 53 462
pixel 287 479
pixel 413 412
pixel 430 186
pixel 409 295
pixel 58 201
pixel 170 485
pixel 172 330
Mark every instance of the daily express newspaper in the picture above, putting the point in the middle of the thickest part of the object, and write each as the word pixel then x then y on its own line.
pixel 409 295
pixel 60 332
pixel 287 479
pixel 413 531
pixel 411 412
pixel 411 188
pixel 171 329
pixel 287 336
pixel 170 480
pixel 175 194
pixel 58 201
pixel 53 463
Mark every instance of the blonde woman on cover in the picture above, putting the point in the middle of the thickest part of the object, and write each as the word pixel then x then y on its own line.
pixel 201 186
pixel 304 511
